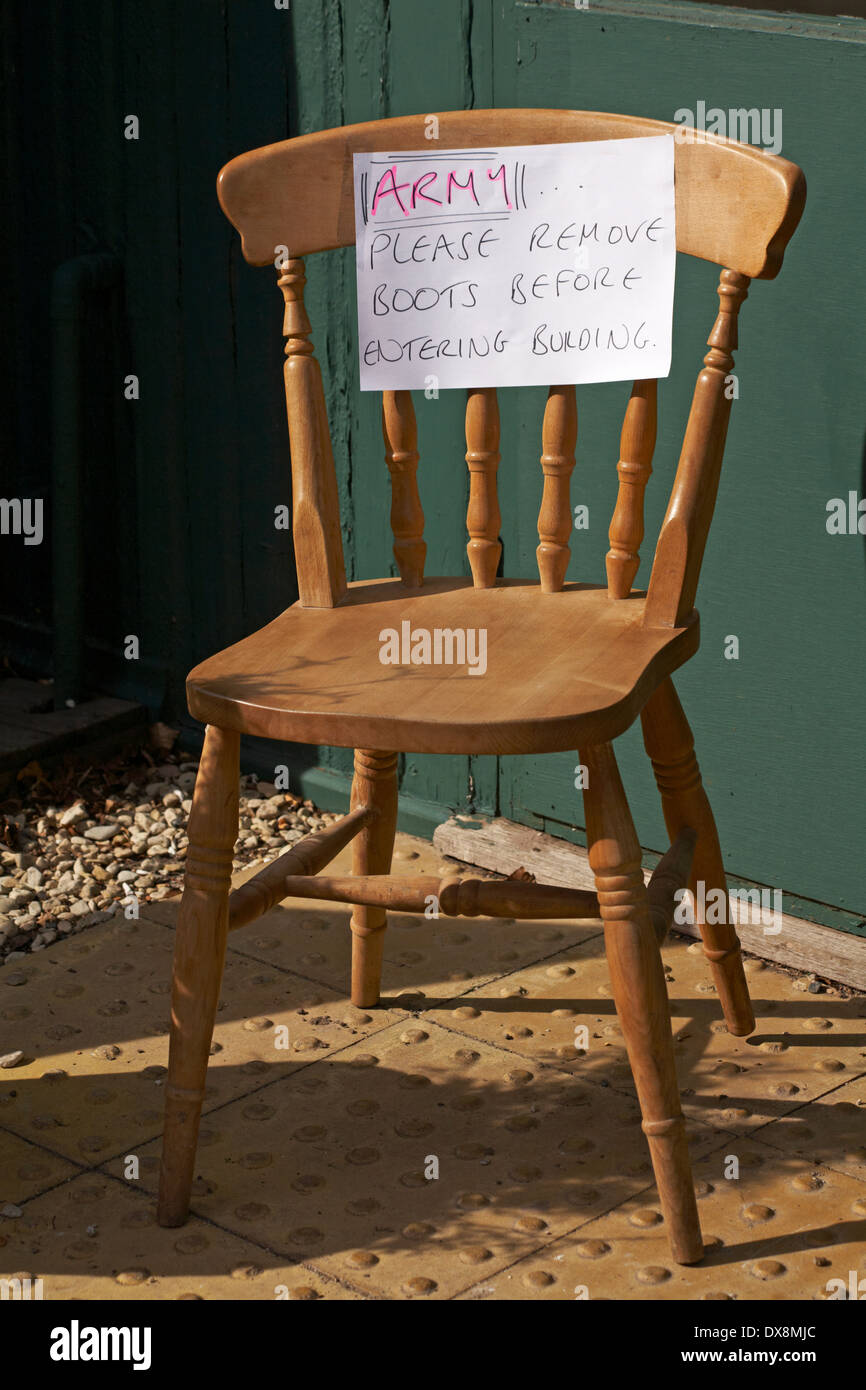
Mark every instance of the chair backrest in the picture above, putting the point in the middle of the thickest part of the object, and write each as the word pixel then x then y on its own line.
pixel 735 205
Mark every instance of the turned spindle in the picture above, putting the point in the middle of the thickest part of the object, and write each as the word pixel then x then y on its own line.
pixel 637 443
pixel 670 744
pixel 558 440
pixel 199 953
pixel 640 993
pixel 374 785
pixel 400 433
pixel 483 519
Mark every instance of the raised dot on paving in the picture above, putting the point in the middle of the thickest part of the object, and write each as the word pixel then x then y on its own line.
pixel 362 1259
pixel 809 1182
pixel 645 1217
pixel 419 1230
pixel 419 1285
pixel 474 1254
pixel 756 1212
pixel 592 1249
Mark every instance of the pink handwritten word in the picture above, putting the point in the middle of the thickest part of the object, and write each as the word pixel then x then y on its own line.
pixel 406 196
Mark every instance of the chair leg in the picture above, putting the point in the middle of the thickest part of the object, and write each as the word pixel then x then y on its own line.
pixel 670 744
pixel 374 784
pixel 199 955
pixel 640 994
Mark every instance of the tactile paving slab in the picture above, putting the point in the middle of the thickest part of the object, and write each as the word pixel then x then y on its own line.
pixel 26 1169
pixel 96 1238
pixel 832 1131
pixel 91 1016
pixel 778 1230
pixel 561 1012
pixel 412 1158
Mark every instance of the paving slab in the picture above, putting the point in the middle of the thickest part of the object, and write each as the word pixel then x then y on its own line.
pixel 832 1131
pixel 91 1016
pixel 776 1231
pixel 95 1238
pixel 561 1012
pixel 27 1169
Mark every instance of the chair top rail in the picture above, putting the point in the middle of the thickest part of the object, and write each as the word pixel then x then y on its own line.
pixel 736 205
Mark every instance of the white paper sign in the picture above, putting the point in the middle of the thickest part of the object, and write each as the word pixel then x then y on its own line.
pixel 530 264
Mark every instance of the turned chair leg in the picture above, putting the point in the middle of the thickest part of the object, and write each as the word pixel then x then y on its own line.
pixel 670 744
pixel 374 784
pixel 199 955
pixel 640 994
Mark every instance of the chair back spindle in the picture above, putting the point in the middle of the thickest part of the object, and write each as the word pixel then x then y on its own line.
pixel 636 446
pixel 483 518
pixel 558 442
pixel 315 503
pixel 400 433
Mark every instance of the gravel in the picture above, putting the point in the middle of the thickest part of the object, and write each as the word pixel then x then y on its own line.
pixel 74 850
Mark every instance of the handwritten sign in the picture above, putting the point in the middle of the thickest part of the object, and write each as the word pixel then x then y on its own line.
pixel 529 264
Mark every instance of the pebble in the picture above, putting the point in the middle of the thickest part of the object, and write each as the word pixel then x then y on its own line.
pixel 101 832
pixel 11 1059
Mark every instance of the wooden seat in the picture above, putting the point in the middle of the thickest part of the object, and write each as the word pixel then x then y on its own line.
pixel 561 670
pixel 565 665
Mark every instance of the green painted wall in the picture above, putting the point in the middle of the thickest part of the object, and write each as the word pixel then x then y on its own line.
pixel 180 541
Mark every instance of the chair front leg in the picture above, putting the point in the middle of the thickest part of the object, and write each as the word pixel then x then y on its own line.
pixel 199 955
pixel 374 784
pixel 670 744
pixel 640 994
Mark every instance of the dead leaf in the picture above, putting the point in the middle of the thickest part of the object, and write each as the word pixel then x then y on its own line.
pixel 163 737
pixel 522 875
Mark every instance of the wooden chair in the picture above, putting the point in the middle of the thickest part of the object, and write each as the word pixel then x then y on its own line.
pixel 571 666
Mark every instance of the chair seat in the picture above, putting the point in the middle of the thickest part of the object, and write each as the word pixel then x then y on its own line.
pixel 560 670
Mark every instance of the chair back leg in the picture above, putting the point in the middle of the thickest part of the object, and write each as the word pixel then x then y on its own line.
pixel 375 785
pixel 640 994
pixel 199 954
pixel 671 746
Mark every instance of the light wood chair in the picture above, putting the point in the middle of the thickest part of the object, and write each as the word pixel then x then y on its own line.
pixel 570 666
